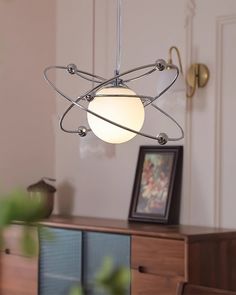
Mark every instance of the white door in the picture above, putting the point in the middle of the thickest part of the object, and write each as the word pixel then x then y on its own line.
pixel 211 120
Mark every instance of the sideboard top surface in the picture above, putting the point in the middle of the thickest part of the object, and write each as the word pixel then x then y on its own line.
pixel 180 232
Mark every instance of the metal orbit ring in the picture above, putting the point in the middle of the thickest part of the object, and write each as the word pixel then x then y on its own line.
pixel 160 65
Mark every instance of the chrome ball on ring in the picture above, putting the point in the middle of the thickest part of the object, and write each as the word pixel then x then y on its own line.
pixel 162 138
pixel 72 68
pixel 161 64
pixel 82 131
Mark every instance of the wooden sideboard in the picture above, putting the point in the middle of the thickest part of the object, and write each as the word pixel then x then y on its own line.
pixel 18 273
pixel 159 256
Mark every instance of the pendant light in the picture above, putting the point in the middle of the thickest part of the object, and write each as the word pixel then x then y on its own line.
pixel 115 113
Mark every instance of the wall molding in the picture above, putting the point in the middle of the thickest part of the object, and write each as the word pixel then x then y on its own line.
pixel 190 13
pixel 221 22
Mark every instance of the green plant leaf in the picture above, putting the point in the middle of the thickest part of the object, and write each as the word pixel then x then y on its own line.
pixel 28 241
pixel 18 206
pixel 114 280
pixel 47 234
pixel 76 290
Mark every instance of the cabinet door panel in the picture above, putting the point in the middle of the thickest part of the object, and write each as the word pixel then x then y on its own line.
pixel 150 284
pixel 158 256
pixel 12 238
pixel 96 247
pixel 60 260
pixel 19 275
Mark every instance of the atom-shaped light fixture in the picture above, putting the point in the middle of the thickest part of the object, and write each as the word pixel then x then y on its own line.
pixel 115 113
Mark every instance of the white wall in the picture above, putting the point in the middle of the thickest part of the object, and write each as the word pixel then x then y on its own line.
pixel 94 178
pixel 101 185
pixel 27 45
pixel 204 31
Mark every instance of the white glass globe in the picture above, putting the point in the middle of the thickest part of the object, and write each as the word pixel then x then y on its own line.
pixel 126 111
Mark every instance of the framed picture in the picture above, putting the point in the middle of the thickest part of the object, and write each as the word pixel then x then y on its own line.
pixel 157 185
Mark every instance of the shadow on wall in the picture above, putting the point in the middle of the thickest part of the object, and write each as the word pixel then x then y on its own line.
pixel 65 198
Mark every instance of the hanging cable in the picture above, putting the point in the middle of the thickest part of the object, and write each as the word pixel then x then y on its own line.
pixel 118 36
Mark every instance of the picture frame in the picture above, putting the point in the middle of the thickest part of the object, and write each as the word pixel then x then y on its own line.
pixel 157 185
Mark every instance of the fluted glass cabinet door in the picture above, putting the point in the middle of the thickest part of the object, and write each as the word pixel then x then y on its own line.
pixel 97 246
pixel 60 260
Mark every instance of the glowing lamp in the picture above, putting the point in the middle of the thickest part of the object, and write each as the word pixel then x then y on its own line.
pixel 120 105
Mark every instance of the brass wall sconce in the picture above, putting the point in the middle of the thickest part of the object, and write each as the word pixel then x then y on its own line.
pixel 197 75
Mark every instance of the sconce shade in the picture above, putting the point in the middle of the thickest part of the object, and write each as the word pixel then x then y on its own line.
pixel 179 84
pixel 166 79
pixel 120 107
